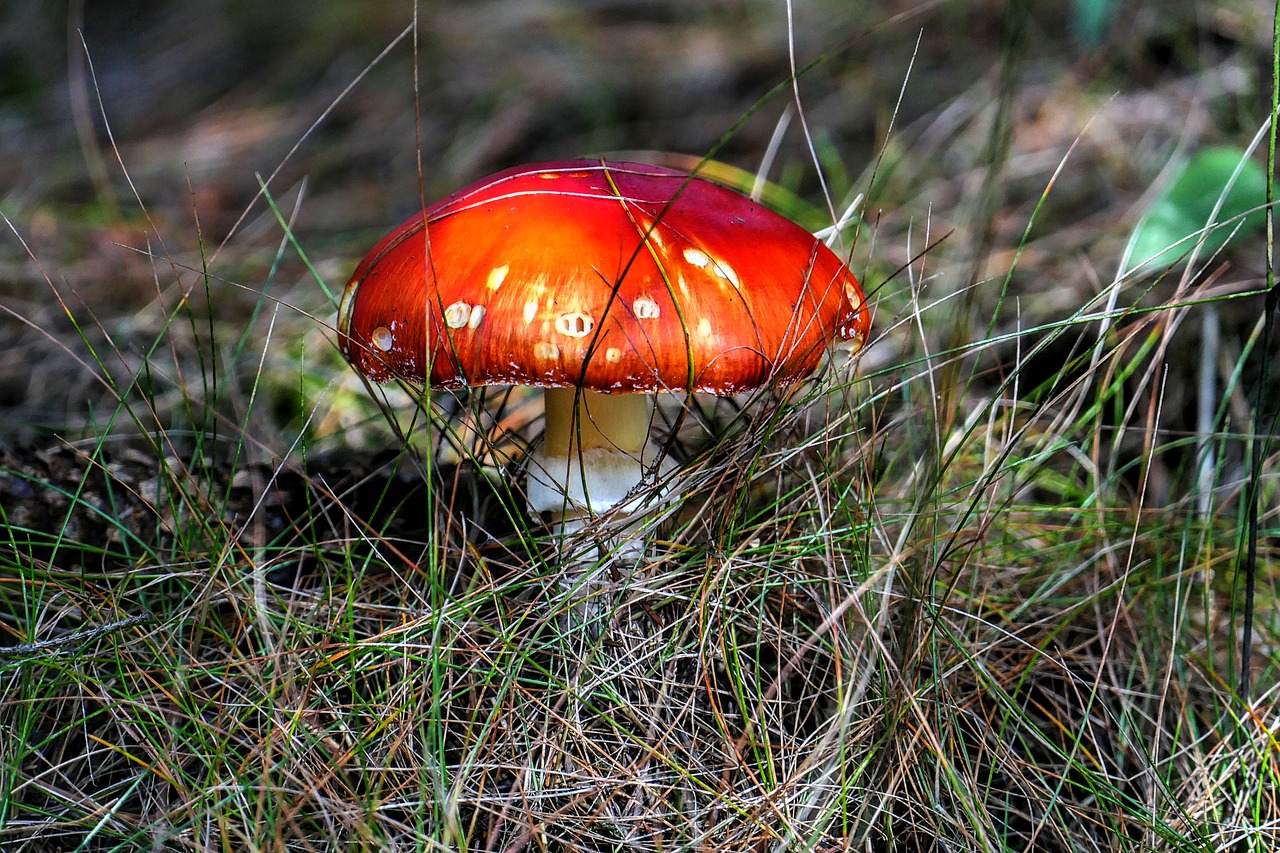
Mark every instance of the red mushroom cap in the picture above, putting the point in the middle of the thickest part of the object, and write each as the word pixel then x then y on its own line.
pixel 612 276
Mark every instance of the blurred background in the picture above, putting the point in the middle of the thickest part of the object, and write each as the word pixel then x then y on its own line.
pixel 133 136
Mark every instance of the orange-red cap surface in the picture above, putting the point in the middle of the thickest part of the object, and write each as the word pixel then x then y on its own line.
pixel 614 276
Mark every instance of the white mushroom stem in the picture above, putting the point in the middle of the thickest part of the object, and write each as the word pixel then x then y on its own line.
pixel 595 452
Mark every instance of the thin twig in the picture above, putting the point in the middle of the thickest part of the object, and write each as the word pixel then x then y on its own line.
pixel 81 638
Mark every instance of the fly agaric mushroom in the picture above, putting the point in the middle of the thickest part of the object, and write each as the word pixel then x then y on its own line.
pixel 603 282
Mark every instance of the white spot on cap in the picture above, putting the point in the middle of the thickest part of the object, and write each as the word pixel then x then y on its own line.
pixel 646 309
pixel 497 275
pixel 613 355
pixel 702 260
pixel 697 257
pixel 382 338
pixel 704 327
pixel 457 315
pixel 477 314
pixel 726 272
pixel 575 324
pixel 530 311
pixel 850 345
pixel 545 350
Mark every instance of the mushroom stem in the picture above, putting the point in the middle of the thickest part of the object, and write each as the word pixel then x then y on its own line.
pixel 579 418
pixel 596 450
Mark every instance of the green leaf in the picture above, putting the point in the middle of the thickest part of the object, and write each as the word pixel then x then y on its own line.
pixel 1092 20
pixel 1170 229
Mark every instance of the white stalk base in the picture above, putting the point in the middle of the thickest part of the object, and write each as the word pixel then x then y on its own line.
pixel 595 481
